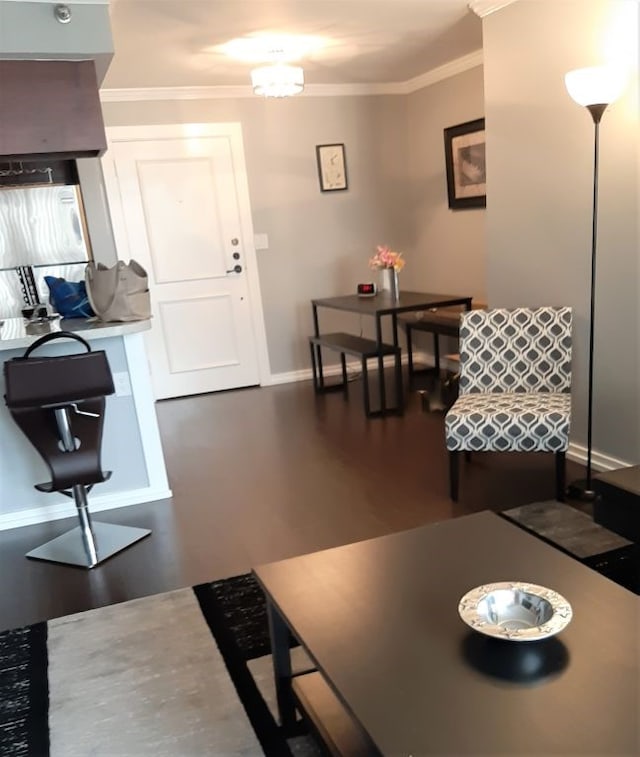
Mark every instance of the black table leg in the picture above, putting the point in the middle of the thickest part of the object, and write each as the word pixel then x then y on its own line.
pixel 316 385
pixel 436 354
pixel 399 386
pixel 316 331
pixel 365 388
pixel 345 378
pixel 410 354
pixel 281 655
pixel 398 369
pixel 383 390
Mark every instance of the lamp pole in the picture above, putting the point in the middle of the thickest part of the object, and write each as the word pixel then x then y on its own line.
pixel 584 489
pixel 595 88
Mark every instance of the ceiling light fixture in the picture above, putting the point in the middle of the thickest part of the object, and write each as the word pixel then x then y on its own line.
pixel 277 80
pixel 271 48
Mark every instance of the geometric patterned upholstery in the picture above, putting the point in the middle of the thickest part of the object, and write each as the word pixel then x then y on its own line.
pixel 515 382
pixel 520 350
pixel 509 422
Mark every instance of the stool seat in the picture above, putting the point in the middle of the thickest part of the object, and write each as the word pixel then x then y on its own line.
pixel 49 487
pixel 59 404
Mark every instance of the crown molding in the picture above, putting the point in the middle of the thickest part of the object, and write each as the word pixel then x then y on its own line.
pixel 142 94
pixel 457 66
pixel 483 8
pixel 240 91
pixel 56 2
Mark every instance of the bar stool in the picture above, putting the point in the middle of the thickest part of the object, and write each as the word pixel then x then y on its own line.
pixel 59 404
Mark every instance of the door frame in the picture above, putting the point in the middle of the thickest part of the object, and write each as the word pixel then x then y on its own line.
pixel 156 132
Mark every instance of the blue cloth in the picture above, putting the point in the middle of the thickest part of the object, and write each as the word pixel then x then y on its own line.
pixel 69 298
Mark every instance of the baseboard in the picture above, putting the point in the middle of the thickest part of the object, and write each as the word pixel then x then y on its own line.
pixel 599 461
pixel 97 503
pixel 291 377
pixel 333 369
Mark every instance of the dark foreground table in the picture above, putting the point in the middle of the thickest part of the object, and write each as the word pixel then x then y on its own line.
pixel 398 673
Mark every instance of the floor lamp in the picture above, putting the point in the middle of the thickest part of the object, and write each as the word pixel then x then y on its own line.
pixel 594 88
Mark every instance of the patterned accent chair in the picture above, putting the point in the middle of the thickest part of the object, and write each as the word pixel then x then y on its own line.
pixel 515 383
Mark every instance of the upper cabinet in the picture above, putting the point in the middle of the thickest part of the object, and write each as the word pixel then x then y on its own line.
pixel 50 107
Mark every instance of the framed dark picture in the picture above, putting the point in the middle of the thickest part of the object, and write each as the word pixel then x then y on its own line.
pixel 332 167
pixel 465 162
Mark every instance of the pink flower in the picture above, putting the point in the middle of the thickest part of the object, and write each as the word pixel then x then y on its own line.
pixel 385 257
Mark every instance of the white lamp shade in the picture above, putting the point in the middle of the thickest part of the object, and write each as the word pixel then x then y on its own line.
pixel 599 85
pixel 277 80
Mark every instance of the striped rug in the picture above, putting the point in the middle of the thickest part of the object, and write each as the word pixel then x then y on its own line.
pixel 183 673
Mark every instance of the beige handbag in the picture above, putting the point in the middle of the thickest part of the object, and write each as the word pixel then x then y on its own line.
pixel 120 293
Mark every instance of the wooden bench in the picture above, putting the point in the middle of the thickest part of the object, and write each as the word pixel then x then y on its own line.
pixel 365 349
pixel 439 322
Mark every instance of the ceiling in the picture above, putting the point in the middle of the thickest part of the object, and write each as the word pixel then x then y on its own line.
pixel 173 43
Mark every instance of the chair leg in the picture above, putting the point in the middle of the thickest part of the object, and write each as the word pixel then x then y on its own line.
pixel 436 354
pixel 467 456
pixel 560 476
pixel 453 475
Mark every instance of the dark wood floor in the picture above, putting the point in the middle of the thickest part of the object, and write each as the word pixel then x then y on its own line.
pixel 263 474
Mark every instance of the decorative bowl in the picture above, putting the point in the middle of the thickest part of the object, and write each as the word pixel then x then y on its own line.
pixel 515 611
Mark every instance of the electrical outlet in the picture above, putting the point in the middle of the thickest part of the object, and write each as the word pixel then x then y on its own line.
pixel 122 384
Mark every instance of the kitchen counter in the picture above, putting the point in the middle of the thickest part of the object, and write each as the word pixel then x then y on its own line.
pixel 18 332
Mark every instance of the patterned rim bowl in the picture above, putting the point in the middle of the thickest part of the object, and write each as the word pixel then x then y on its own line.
pixel 515 611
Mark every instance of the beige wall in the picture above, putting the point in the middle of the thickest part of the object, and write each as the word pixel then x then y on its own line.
pixel 540 158
pixel 319 243
pixel 447 246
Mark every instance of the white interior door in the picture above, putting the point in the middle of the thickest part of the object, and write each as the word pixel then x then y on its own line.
pixel 181 211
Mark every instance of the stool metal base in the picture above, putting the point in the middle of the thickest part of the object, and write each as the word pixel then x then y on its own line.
pixel 69 548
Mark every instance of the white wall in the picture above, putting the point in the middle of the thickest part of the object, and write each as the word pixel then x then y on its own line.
pixel 540 161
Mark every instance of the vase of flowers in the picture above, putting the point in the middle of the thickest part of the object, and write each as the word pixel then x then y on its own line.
pixel 390 263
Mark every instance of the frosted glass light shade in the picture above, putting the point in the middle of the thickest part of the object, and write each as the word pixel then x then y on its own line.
pixel 599 85
pixel 277 80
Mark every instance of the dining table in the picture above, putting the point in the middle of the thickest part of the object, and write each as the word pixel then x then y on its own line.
pixel 383 307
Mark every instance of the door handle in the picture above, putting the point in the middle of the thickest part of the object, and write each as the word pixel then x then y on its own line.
pixel 235 269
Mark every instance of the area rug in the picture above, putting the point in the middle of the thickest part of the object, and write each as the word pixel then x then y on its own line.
pixel 185 673
pixel 575 533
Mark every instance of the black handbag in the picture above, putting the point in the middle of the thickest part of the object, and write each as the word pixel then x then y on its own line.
pixel 63 379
